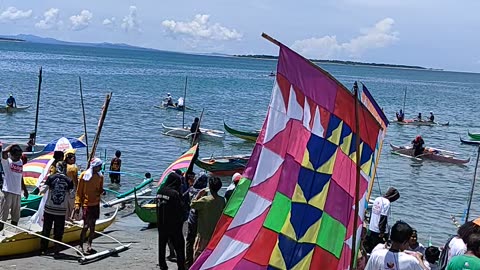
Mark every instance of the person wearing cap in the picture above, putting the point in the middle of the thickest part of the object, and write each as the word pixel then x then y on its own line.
pixel 72 173
pixel 230 189
pixel 11 102
pixel 59 186
pixel 89 190
pixel 431 118
pixel 169 100
pixel 378 227
pixel 13 184
pixel 418 146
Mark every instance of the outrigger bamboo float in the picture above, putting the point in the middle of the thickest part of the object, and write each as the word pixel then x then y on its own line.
pixel 429 153
pixel 248 136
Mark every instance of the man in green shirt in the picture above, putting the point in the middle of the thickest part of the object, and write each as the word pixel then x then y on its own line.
pixel 209 209
pixel 470 260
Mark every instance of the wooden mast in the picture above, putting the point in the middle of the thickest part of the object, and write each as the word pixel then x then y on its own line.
pixel 84 118
pixel 473 186
pixel 99 128
pixel 38 105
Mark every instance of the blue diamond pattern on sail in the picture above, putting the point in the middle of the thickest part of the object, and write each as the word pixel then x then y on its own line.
pixel 312 183
pixel 293 250
pixel 303 216
pixel 334 130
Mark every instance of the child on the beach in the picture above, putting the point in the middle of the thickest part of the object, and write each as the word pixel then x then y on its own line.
pixel 115 166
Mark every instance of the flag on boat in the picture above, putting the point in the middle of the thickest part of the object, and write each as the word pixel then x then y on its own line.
pixel 184 162
pixel 64 143
pixel 35 168
pixel 295 205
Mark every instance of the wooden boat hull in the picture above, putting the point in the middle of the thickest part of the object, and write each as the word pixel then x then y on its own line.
pixel 146 212
pixel 24 243
pixel 184 133
pixel 474 142
pixel 474 136
pixel 408 151
pixel 32 202
pixel 411 122
pixel 13 110
pixel 223 166
pixel 248 136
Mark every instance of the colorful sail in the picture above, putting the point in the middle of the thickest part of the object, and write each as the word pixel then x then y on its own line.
pixel 182 163
pixel 35 167
pixel 294 207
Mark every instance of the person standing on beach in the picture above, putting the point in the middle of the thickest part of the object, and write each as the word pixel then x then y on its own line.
pixel 378 227
pixel 13 184
pixel 170 218
pixel 59 186
pixel 115 166
pixel 89 190
pixel 471 258
pixel 72 173
pixel 209 209
pixel 58 156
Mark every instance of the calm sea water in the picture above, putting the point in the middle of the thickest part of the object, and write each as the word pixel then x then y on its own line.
pixel 237 91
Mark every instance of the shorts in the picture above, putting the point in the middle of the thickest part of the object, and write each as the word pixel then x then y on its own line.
pixel 10 204
pixel 91 213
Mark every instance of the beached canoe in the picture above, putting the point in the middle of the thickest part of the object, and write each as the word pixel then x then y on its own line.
pixel 184 133
pixel 474 142
pixel 248 136
pixel 430 153
pixel 412 122
pixel 17 243
pixel 223 166
pixel 7 109
pixel 147 211
pixel 474 136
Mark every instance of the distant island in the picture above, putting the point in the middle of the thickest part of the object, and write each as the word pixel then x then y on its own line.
pixel 339 62
pixel 5 39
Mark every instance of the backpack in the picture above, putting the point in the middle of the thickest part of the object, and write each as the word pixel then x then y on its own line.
pixel 443 260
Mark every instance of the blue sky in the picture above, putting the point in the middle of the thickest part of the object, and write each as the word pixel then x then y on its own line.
pixel 438 34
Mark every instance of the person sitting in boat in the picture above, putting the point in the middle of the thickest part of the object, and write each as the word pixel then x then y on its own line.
pixel 180 103
pixel 11 102
pixel 431 118
pixel 169 100
pixel 419 117
pixel 400 116
pixel 418 146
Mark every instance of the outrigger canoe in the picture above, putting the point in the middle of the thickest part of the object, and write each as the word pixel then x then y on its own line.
pixel 248 136
pixel 173 107
pixel 184 133
pixel 223 166
pixel 412 122
pixel 8 109
pixel 147 211
pixel 474 136
pixel 474 142
pixel 32 202
pixel 429 153
pixel 17 243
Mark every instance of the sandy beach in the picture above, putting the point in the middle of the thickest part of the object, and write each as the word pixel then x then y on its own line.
pixel 127 228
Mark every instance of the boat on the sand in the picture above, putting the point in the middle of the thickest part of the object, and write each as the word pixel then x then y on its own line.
pixel 429 153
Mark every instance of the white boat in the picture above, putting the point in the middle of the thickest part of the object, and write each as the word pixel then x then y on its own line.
pixel 8 109
pixel 37 149
pixel 184 133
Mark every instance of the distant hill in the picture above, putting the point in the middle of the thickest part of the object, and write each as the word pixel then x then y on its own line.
pixel 44 40
pixel 341 62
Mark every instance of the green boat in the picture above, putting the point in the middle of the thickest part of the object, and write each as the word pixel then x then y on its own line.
pixel 32 202
pixel 147 212
pixel 474 136
pixel 248 136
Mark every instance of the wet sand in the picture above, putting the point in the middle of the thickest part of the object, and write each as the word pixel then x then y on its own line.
pixel 127 228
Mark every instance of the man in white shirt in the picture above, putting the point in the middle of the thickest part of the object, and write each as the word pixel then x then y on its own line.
pixel 395 258
pixel 378 227
pixel 180 102
pixel 13 184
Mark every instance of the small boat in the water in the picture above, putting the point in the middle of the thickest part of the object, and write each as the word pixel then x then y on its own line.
pixel 429 153
pixel 184 133
pixel 248 136
pixel 8 109
pixel 412 122
pixel 470 142
pixel 223 166
pixel 474 136
pixel 165 106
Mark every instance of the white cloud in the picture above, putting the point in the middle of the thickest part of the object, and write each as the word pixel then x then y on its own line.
pixel 51 19
pixel 109 22
pixel 378 36
pixel 201 28
pixel 13 14
pixel 81 21
pixel 130 23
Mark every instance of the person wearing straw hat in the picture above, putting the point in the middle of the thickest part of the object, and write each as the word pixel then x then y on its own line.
pixel 89 190
pixel 72 173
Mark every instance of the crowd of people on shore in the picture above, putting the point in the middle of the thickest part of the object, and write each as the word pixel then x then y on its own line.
pixel 398 248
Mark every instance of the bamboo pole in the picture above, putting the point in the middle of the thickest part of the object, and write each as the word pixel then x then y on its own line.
pixel 84 118
pixel 473 186
pixel 184 102
pixel 99 128
pixel 38 104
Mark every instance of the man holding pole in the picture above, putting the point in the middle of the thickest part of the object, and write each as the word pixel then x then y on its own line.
pixel 89 190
